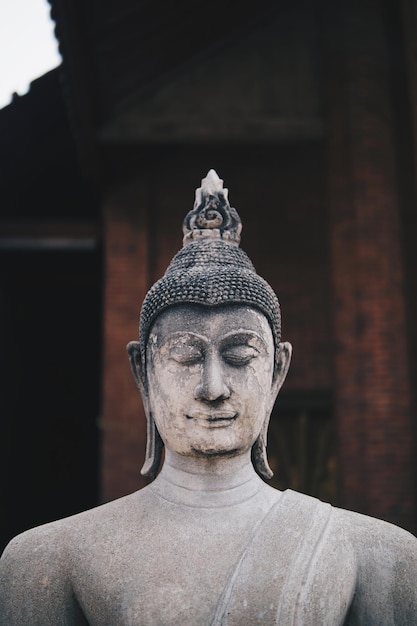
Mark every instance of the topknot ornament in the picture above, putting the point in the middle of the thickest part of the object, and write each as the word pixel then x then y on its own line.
pixel 212 217
pixel 210 269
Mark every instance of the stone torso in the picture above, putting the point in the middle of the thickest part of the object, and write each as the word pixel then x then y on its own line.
pixel 176 567
pixel 171 555
pixel 168 567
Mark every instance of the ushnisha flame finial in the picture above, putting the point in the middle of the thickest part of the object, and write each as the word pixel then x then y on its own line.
pixel 212 216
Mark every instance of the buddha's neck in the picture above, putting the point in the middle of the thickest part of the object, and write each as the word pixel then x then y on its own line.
pixel 207 482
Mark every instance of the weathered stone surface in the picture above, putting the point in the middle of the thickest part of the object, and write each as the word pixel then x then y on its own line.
pixel 208 541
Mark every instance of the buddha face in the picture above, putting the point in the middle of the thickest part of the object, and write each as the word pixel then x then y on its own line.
pixel 210 378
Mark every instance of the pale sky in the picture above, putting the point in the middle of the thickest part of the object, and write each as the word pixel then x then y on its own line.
pixel 28 47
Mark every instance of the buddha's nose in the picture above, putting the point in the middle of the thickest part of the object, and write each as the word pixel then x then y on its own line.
pixel 212 385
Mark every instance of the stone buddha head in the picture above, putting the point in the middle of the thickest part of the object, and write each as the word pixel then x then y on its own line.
pixel 210 362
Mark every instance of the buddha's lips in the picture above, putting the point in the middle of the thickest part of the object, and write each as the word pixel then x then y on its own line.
pixel 213 418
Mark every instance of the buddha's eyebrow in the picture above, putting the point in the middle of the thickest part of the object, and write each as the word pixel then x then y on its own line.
pixel 182 336
pixel 239 337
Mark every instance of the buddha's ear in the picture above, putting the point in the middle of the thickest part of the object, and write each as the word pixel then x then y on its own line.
pixel 282 364
pixel 259 455
pixel 154 443
pixel 135 358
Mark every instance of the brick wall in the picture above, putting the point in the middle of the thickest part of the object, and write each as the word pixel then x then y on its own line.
pixel 126 282
pixel 372 386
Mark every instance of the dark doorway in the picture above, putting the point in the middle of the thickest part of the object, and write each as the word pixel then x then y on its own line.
pixel 50 347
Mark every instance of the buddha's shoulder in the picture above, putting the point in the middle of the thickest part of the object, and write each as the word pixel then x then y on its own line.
pixel 382 551
pixel 373 534
pixel 359 527
pixel 371 541
pixel 94 525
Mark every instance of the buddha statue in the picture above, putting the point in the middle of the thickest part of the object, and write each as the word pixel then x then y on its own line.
pixel 208 541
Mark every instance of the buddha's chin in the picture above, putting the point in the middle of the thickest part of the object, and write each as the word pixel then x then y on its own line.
pixel 219 444
pixel 198 441
pixel 211 453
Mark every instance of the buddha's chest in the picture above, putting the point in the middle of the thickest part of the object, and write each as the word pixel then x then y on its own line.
pixel 215 569
pixel 165 575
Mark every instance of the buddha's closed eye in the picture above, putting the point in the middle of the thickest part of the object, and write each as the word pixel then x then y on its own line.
pixel 239 355
pixel 186 354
